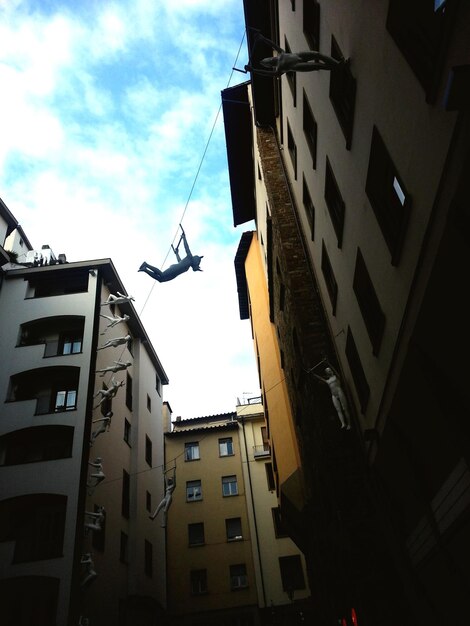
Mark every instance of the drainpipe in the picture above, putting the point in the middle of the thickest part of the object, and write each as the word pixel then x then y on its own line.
pixel 254 514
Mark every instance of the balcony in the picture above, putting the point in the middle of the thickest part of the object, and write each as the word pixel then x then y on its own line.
pixel 263 451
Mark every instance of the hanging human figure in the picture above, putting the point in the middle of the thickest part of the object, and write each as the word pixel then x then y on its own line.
pixel 97 475
pixel 170 484
pixel 104 425
pixel 113 320
pixel 120 298
pixel 108 394
pixel 117 367
pixel 90 573
pixel 98 518
pixel 338 396
pixel 189 261
pixel 308 61
pixel 114 343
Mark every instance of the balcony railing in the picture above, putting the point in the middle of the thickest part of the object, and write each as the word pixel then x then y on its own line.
pixel 263 450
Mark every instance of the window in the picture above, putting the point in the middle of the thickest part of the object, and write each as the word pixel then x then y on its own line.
pixel 311 23
pixel 193 490
pixel 125 496
pixel 37 443
pixel 129 391
pixel 279 528
pixel 65 400
pixel 198 581
pixel 238 577
pixel 291 76
pixel 420 31
pixel 191 451
pixel 292 574
pixel 148 559
pixel 330 280
pixel 158 385
pixel 124 548
pixel 343 94
pixel 233 527
pixel 196 534
pixel 148 500
pixel 357 371
pixel 334 202
pixel 148 451
pixel 270 477
pixel 149 403
pixel 310 130
pixel 36 524
pixel 369 304
pixel 127 432
pixel 387 195
pixel 45 286
pixel 292 148
pixel 309 207
pixel 226 446
pixel 229 486
pixel 98 536
pixel 70 344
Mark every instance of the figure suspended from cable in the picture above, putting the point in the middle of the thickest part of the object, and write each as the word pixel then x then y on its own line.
pixel 170 484
pixel 308 61
pixel 189 261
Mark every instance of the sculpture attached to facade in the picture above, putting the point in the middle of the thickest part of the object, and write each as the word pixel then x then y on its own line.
pixel 338 396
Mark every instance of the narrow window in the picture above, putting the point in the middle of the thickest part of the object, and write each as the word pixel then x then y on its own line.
pixel 229 486
pixel 334 203
pixel 125 496
pixel 198 581
pixel 191 451
pixel 124 548
pixel 279 528
pixel 310 130
pixel 311 23
pixel 226 446
pixel 330 280
pixel 158 384
pixel 98 536
pixel 148 559
pixel 70 344
pixel 127 432
pixel 369 304
pixel 65 400
pixel 357 371
pixel 233 527
pixel 129 391
pixel 106 404
pixel 343 94
pixel 148 450
pixel 309 207
pixel 387 195
pixel 148 501
pixel 238 577
pixel 196 534
pixel 291 76
pixel 149 403
pixel 292 148
pixel 292 574
pixel 193 490
pixel 270 477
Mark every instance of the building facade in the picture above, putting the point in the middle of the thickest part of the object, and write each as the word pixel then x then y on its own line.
pixel 76 456
pixel 356 179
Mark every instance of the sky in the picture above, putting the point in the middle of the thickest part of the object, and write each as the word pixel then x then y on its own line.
pixel 110 136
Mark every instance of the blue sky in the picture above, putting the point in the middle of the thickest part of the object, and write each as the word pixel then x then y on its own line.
pixel 105 113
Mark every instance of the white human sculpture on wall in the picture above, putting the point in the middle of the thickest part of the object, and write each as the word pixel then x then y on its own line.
pixel 164 505
pixel 113 321
pixel 114 343
pixel 98 518
pixel 90 573
pixel 104 425
pixel 117 367
pixel 96 476
pixel 117 299
pixel 338 396
pixel 108 394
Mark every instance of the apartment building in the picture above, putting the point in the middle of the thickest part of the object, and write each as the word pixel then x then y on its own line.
pixel 356 180
pixel 81 429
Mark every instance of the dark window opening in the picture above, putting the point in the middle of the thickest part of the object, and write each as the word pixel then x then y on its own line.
pixel 129 391
pixel 238 577
pixel 343 94
pixel 291 76
pixel 330 280
pixel 53 388
pixel 148 559
pixel 311 23
pixel 270 477
pixel 61 335
pixel 310 130
pixel 125 496
pixel 59 284
pixel 99 536
pixel 357 371
pixel 124 548
pixel 233 528
pixel 292 574
pixel 334 203
pixel 196 534
pixel 292 148
pixel 309 207
pixel 37 443
pixel 148 451
pixel 369 304
pixel 279 528
pixel 198 581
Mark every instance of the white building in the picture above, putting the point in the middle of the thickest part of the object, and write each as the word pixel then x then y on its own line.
pixel 54 569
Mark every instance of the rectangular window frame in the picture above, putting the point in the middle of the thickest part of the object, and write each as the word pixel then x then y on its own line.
pixel 369 305
pixel 226 447
pixel 343 94
pixel 198 582
pixel 229 486
pixel 329 277
pixel 193 490
pixel 148 450
pixel 311 23
pixel 191 451
pixel 334 202
pixel 196 536
pixel 310 129
pixel 238 577
pixel 309 207
pixel 233 529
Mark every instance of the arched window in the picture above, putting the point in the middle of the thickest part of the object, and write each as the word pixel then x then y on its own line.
pixel 37 443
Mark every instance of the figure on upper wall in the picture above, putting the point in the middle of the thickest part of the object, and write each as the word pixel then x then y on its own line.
pixel 308 61
pixel 170 484
pixel 104 425
pixel 189 261
pixel 338 396
pixel 117 367
pixel 113 320
pixel 114 343
pixel 120 298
